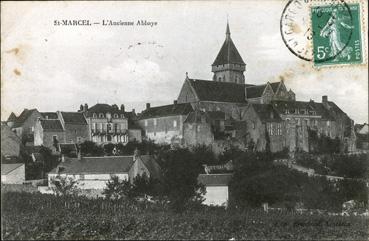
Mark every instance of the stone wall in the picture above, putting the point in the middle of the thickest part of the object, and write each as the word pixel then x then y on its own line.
pixel 166 129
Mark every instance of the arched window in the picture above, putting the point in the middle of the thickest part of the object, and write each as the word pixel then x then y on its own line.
pixel 115 115
pixel 121 116
pixel 101 115
pixel 94 115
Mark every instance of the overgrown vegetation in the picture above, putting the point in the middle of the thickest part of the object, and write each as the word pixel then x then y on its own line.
pixel 36 216
pixel 257 180
pixel 323 144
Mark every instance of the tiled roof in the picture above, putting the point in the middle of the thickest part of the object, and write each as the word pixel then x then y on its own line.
pixel 214 179
pixel 228 54
pixel 51 125
pixel 104 108
pixel 274 86
pixel 255 91
pixel 282 106
pixel 23 117
pixel 95 165
pixel 166 110
pixel 74 118
pixel 12 117
pixel 7 168
pixel 266 113
pixel 207 90
pixel 49 115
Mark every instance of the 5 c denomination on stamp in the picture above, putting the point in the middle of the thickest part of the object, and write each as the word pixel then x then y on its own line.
pixel 336 34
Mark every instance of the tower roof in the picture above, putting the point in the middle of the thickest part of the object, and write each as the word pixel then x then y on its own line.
pixel 228 54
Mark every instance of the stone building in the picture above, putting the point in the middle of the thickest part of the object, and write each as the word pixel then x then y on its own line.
pixel 164 124
pixel 49 133
pixel 110 124
pixel 75 126
pixel 267 115
pixel 24 124
pixel 265 128
pixel 197 129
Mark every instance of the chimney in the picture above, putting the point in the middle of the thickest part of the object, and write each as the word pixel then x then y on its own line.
pixel 134 111
pixel 85 108
pixel 136 154
pixel 175 102
pixel 325 101
pixel 147 106
pixel 122 108
pixel 81 107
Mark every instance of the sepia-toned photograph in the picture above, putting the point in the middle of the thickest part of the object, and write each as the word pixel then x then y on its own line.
pixel 184 120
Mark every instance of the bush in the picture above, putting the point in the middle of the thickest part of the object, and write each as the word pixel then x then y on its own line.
pixel 117 189
pixel 64 186
pixel 180 171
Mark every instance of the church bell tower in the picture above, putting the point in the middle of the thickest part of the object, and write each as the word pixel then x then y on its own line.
pixel 228 65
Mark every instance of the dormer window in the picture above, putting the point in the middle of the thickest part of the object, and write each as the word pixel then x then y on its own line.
pixel 101 115
pixel 121 116
pixel 115 115
pixel 94 115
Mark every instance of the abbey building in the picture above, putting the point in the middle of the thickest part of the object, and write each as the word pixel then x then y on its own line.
pixel 229 107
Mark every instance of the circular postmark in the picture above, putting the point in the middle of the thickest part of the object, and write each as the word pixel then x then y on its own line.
pixel 305 22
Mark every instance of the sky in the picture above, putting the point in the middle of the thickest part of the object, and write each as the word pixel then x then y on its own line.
pixel 54 68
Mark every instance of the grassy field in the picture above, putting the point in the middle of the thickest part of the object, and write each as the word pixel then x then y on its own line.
pixel 37 216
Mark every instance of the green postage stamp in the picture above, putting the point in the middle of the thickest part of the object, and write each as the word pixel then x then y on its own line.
pixel 336 34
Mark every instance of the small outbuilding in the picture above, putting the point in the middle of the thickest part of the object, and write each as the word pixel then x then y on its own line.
pixel 216 185
pixel 95 172
pixel 13 173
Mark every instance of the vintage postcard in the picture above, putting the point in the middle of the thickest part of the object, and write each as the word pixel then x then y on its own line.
pixel 184 120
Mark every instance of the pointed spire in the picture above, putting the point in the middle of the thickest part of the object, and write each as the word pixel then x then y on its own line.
pixel 228 32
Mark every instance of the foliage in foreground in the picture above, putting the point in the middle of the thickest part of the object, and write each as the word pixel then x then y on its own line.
pixel 37 216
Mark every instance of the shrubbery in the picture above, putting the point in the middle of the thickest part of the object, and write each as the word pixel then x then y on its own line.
pixel 256 180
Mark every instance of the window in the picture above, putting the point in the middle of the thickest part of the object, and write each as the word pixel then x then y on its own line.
pixel 155 122
pixel 220 79
pixel 115 115
pixel 75 131
pixel 253 125
pixel 94 115
pixel 174 123
pixel 145 122
pixel 306 122
pixel 198 128
pixel 279 129
pixel 122 116
pixel 101 115
pixel 298 121
pixel 328 123
pixel 115 127
pixel 79 139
